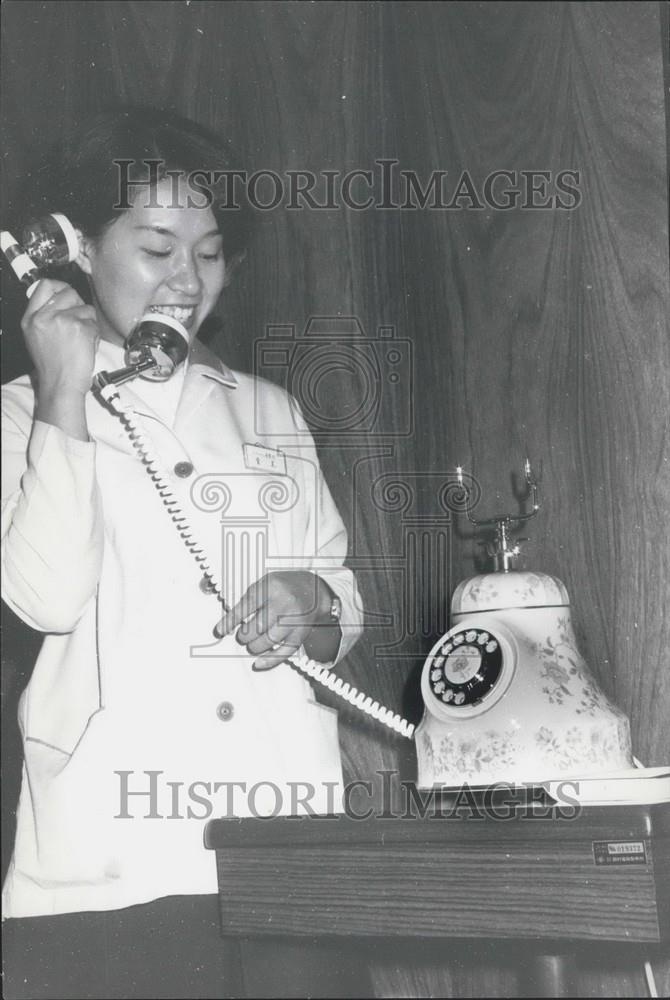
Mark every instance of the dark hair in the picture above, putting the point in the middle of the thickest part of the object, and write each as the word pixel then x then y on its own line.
pixel 81 179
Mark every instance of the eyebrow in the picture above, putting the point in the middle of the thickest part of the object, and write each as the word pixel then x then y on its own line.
pixel 169 232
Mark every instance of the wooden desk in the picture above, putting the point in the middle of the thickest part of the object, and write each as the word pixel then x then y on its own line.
pixel 538 875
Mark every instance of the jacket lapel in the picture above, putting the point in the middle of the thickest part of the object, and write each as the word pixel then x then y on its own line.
pixel 204 371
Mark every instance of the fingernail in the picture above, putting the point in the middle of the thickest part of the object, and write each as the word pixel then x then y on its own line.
pixel 218 632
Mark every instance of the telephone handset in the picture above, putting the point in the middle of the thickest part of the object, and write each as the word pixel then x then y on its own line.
pixel 157 345
pixel 506 693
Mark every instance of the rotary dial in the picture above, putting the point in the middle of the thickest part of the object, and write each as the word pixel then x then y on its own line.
pixel 466 667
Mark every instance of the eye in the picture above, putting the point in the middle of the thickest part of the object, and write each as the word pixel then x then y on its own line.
pixel 216 255
pixel 156 253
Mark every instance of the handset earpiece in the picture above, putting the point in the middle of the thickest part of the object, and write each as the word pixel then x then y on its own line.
pixel 50 241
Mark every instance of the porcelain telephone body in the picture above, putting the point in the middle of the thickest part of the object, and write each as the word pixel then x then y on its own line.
pixel 508 696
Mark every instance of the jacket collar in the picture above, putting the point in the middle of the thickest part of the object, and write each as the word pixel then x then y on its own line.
pixel 203 370
pixel 206 363
pixel 201 364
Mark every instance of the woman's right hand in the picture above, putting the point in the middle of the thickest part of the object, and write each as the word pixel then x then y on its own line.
pixel 61 334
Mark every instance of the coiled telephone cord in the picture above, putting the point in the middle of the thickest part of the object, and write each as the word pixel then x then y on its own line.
pixel 316 671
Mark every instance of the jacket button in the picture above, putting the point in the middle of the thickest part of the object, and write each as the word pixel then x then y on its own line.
pixel 225 711
pixel 207 586
pixel 183 470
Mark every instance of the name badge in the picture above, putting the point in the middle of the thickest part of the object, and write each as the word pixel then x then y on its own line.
pixel 262 459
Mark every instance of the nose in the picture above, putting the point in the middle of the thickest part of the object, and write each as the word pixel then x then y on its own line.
pixel 186 277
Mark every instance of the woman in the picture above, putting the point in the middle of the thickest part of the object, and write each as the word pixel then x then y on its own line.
pixel 138 722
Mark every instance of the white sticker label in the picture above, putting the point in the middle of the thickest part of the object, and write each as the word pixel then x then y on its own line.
pixel 627 847
pixel 262 459
pixel 619 852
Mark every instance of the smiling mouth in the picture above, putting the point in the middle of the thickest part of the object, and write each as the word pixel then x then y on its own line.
pixel 183 314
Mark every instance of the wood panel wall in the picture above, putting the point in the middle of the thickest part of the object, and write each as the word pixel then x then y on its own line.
pixel 532 331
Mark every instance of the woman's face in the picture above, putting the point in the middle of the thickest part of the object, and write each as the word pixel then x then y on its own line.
pixel 166 259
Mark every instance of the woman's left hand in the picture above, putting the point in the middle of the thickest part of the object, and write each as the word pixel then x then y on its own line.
pixel 277 615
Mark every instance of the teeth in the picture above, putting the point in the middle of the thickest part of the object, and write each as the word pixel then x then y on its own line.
pixel 181 313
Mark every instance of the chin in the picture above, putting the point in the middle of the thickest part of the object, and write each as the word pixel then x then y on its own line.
pixel 113 338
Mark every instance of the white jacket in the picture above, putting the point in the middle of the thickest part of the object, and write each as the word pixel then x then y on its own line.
pixel 131 693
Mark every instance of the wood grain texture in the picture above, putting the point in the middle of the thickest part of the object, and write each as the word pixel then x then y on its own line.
pixel 444 823
pixel 451 873
pixel 416 892
pixel 532 315
pixel 532 331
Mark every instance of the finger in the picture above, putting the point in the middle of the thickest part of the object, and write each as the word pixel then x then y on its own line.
pixel 251 602
pixel 46 289
pixel 253 627
pixel 293 640
pixel 63 297
pixel 85 314
pixel 277 656
pixel 66 301
pixel 273 638
pixel 44 296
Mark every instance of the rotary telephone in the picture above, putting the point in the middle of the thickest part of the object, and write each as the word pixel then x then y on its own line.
pixel 507 695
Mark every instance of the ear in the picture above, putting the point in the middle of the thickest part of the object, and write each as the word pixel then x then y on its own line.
pixel 86 251
pixel 232 266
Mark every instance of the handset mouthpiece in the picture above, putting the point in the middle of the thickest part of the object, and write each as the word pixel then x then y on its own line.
pixel 164 338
